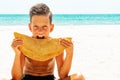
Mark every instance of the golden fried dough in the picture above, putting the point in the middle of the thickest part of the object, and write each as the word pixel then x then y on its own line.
pixel 40 49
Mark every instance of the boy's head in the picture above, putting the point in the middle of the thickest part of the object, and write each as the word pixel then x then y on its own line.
pixel 40 21
pixel 41 9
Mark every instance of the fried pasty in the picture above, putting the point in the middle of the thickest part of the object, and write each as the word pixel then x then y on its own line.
pixel 40 49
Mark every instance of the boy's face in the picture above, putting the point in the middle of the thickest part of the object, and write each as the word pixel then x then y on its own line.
pixel 40 26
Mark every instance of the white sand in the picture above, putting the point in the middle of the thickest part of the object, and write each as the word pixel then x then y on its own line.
pixel 96 51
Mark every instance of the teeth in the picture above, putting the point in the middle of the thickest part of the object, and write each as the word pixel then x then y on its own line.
pixel 40 37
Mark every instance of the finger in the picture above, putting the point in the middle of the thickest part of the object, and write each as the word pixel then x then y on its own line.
pixel 16 42
pixel 65 43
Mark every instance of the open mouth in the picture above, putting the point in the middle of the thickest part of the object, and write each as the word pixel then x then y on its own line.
pixel 40 37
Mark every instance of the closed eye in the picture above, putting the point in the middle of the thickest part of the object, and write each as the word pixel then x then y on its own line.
pixel 35 27
pixel 45 27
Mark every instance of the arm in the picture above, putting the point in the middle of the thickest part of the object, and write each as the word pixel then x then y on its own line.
pixel 64 64
pixel 18 60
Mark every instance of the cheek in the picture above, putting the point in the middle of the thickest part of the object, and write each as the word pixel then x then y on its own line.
pixel 33 31
pixel 48 31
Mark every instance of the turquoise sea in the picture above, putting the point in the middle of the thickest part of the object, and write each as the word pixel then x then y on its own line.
pixel 64 19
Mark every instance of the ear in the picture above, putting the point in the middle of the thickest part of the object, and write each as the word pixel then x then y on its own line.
pixel 29 26
pixel 51 27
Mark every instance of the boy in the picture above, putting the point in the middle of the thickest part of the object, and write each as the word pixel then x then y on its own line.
pixel 25 68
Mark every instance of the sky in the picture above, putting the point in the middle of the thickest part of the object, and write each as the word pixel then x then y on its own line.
pixel 62 6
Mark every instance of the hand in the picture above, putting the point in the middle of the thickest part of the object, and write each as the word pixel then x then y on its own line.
pixel 67 44
pixel 16 44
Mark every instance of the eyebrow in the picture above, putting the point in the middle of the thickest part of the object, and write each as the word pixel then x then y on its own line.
pixel 44 26
pixel 40 26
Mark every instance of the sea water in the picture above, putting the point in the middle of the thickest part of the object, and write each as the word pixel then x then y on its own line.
pixel 64 19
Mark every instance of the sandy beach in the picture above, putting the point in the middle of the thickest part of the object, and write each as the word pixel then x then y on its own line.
pixel 96 50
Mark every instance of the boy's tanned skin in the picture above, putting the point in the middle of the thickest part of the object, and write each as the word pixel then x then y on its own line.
pixel 40 26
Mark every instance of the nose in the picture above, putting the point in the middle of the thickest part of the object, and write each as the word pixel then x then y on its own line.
pixel 40 31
